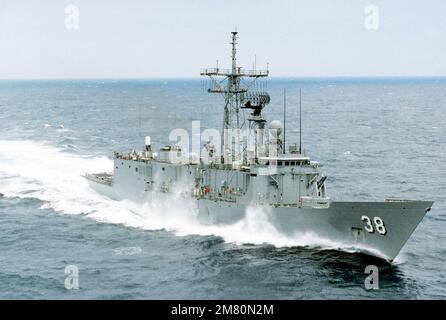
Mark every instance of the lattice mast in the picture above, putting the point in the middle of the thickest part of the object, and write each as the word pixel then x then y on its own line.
pixel 228 82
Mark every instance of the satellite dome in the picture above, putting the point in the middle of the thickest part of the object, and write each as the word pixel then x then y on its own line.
pixel 276 125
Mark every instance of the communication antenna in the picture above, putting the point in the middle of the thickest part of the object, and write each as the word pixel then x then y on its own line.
pixel 284 120
pixel 139 121
pixel 300 120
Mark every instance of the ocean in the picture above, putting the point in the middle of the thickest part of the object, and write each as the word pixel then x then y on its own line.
pixel 377 138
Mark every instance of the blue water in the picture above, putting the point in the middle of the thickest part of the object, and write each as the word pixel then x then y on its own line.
pixel 377 138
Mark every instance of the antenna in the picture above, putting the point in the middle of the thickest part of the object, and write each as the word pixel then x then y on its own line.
pixel 284 120
pixel 234 51
pixel 300 120
pixel 139 120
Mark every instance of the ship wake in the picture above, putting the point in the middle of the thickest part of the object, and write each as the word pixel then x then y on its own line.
pixel 36 170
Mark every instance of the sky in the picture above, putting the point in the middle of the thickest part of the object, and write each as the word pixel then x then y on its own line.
pixel 49 39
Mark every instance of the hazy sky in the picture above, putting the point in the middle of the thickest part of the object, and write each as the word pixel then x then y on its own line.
pixel 175 38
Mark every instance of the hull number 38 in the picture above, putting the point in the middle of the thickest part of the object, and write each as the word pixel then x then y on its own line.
pixel 378 225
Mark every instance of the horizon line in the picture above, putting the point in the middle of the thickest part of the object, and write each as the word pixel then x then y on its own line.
pixel 199 77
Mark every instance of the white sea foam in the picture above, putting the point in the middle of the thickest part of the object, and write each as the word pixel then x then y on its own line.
pixel 400 259
pixel 32 169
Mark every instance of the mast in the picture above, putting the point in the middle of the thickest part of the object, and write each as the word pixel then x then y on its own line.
pixel 284 120
pixel 234 52
pixel 300 120
pixel 237 96
pixel 235 80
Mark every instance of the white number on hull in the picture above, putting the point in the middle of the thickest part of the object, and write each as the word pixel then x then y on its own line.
pixel 379 225
pixel 368 227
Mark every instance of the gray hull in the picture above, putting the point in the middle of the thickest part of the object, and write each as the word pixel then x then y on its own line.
pixel 342 223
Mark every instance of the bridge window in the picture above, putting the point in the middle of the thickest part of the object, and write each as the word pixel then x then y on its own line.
pixel 287 163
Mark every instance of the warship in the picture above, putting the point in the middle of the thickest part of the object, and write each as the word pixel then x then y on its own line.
pixel 251 167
